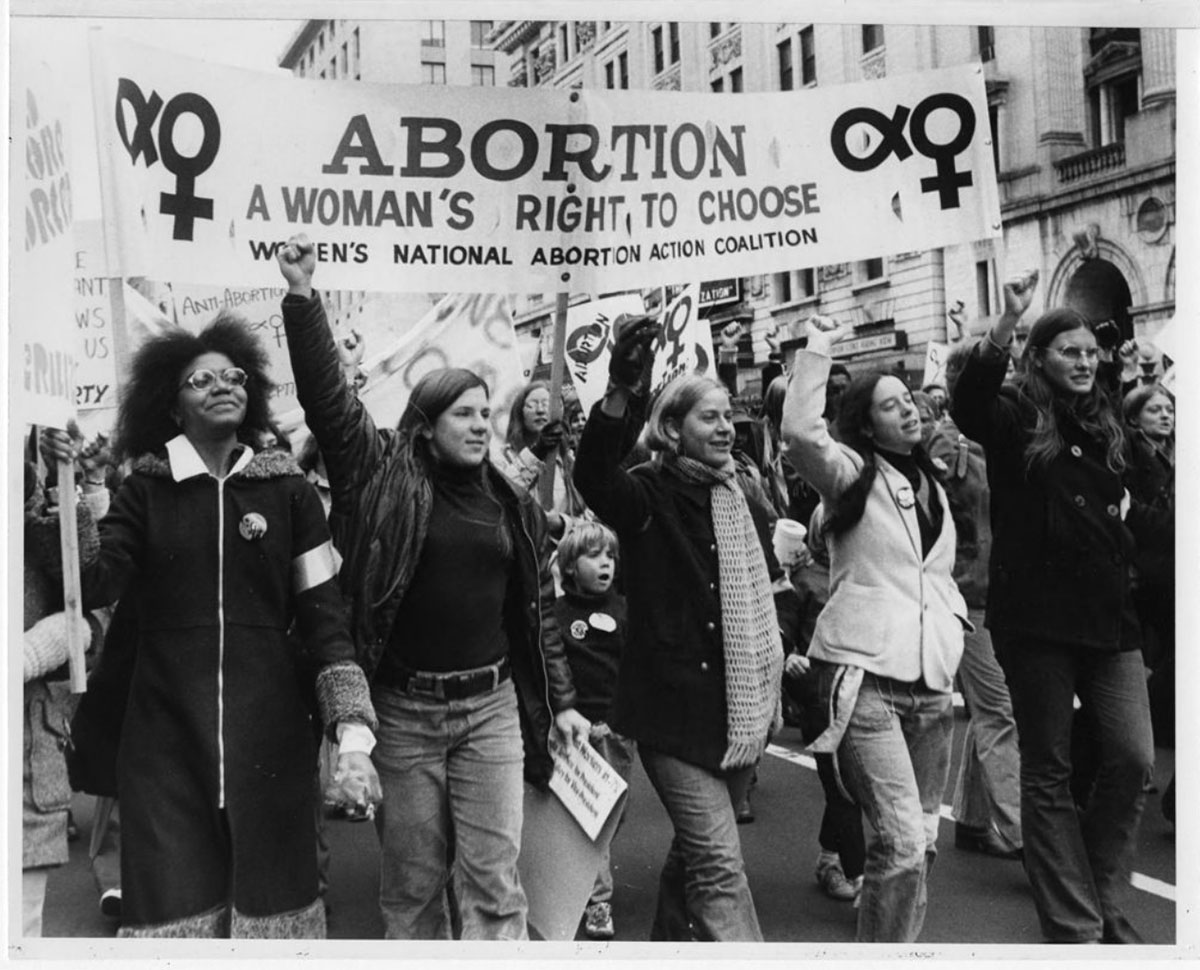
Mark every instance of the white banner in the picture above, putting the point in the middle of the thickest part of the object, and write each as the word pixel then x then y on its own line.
pixel 935 363
pixel 589 342
pixel 205 169
pixel 43 344
pixel 472 331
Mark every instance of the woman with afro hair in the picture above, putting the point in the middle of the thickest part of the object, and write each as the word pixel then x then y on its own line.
pixel 222 550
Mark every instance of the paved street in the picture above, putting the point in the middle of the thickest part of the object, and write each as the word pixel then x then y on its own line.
pixel 973 899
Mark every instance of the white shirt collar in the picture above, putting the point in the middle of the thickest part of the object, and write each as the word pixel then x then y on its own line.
pixel 186 461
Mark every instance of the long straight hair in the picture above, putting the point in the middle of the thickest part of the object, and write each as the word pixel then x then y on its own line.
pixel 853 420
pixel 1094 410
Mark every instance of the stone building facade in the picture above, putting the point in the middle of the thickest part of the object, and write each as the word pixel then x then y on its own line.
pixel 1083 127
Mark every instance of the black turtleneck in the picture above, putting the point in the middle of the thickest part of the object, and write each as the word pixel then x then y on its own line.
pixel 929 520
pixel 452 616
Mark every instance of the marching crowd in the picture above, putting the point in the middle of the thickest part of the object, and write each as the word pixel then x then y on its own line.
pixel 392 625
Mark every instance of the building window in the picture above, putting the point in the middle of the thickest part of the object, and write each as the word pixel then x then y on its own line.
pixel 986 296
pixel 1112 79
pixel 735 81
pixel 345 59
pixel 665 41
pixel 714 28
pixel 479 31
pixel 333 69
pixel 564 42
pixel 616 72
pixel 1110 105
pixel 808 57
pixel 718 85
pixel 870 270
pixel 433 73
pixel 356 56
pixel 321 42
pixel 872 37
pixel 994 125
pixel 483 75
pixel 799 284
pixel 435 33
pixel 986 37
pixel 785 65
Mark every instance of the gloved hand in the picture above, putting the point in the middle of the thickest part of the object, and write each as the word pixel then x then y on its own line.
pixel 548 440
pixel 632 357
pixel 355 786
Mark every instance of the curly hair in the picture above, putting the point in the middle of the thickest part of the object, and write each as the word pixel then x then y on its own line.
pixel 853 420
pixel 1094 410
pixel 144 419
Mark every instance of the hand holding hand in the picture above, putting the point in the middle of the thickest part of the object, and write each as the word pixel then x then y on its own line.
pixel 796 665
pixel 572 726
pixel 355 785
pixel 632 354
pixel 297 261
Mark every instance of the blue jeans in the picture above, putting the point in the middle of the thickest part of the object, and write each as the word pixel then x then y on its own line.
pixel 702 892
pixel 988 792
pixel 1079 864
pixel 895 761
pixel 452 778
pixel 619 752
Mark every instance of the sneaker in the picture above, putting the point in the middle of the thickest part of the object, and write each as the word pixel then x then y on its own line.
pixel 598 923
pixel 834 884
pixel 110 903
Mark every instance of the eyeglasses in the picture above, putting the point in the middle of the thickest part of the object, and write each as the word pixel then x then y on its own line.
pixel 1076 354
pixel 203 379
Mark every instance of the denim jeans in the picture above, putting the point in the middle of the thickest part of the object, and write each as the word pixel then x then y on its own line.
pixel 987 794
pixel 841 822
pixel 452 778
pixel 702 892
pixel 895 761
pixel 619 752
pixel 1079 864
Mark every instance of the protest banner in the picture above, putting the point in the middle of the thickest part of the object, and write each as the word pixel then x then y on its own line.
pixel 585 783
pixel 589 342
pixel 43 341
pixel 96 351
pixel 1168 339
pixel 474 331
pixel 685 344
pixel 206 169
pixel 935 363
pixel 558 864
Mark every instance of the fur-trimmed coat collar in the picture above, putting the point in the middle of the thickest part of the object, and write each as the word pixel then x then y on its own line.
pixel 264 465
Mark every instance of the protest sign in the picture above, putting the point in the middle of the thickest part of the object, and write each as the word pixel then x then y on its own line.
pixel 1167 339
pixel 474 331
pixel 589 342
pixel 685 343
pixel 206 169
pixel 935 363
pixel 558 864
pixel 96 351
pixel 585 783
pixel 43 343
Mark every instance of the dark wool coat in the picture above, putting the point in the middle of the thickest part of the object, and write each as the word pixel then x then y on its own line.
pixel 365 469
pixel 216 719
pixel 671 684
pixel 1061 557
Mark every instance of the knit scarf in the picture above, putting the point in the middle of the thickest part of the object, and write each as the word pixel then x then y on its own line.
pixel 752 647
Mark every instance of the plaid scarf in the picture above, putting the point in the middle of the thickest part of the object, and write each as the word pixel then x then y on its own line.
pixel 752 647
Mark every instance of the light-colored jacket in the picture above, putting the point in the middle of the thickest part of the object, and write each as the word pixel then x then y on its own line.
pixel 890 612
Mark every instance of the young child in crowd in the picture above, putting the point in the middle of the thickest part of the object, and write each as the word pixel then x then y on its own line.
pixel 591 617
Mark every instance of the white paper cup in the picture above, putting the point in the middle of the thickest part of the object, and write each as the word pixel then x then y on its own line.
pixel 788 541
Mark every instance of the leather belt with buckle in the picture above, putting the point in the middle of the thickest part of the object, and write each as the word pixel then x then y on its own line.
pixel 453 686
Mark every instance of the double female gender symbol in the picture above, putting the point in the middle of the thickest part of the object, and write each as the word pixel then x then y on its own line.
pixel 948 180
